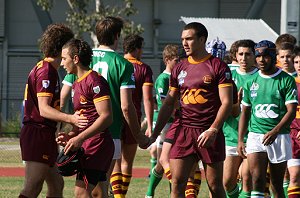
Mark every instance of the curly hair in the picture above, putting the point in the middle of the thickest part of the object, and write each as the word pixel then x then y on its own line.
pixel 170 51
pixel 54 37
pixel 81 49
pixel 132 42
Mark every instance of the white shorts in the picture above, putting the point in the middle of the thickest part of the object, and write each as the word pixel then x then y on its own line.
pixel 160 141
pixel 231 151
pixel 293 162
pixel 117 153
pixel 279 151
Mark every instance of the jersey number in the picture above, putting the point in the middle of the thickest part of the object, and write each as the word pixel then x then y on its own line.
pixel 102 68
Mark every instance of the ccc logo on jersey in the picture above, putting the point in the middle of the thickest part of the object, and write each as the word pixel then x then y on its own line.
pixel 193 96
pixel 265 111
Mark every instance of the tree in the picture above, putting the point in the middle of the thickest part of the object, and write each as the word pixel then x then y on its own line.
pixel 82 15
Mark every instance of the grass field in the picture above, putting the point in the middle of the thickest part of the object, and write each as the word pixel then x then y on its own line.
pixel 11 186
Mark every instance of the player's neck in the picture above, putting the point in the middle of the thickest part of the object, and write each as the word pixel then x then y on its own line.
pixel 199 56
pixel 111 47
pixel 82 71
pixel 130 56
pixel 55 61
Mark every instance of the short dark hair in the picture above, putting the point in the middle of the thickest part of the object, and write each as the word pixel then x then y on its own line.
pixel 296 52
pixel 53 38
pixel 108 29
pixel 199 28
pixel 81 49
pixel 245 43
pixel 285 38
pixel 132 42
pixel 285 46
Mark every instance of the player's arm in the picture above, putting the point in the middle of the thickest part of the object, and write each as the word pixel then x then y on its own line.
pixel 148 106
pixel 287 119
pixel 243 129
pixel 130 115
pixel 104 120
pixel 51 113
pixel 165 112
pixel 236 107
pixel 65 95
pixel 208 137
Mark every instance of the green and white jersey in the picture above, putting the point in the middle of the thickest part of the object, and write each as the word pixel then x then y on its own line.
pixel 119 74
pixel 294 74
pixel 233 66
pixel 69 79
pixel 161 89
pixel 155 115
pixel 230 127
pixel 268 95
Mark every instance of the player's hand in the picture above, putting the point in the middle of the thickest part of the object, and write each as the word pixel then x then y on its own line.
pixel 269 138
pixel 79 120
pixel 207 138
pixel 73 144
pixel 148 132
pixel 62 138
pixel 241 150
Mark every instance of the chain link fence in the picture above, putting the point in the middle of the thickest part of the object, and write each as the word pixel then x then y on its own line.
pixel 10 153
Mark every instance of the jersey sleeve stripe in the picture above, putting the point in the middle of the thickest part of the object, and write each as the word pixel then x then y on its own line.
pixel 148 84
pixel 291 102
pixel 225 85
pixel 101 99
pixel 173 88
pixel 44 94
pixel 67 83
pixel 246 104
pixel 127 86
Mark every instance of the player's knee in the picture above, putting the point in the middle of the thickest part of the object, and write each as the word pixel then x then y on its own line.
pixel 295 178
pixel 229 184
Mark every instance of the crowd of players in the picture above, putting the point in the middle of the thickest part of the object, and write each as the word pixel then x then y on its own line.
pixel 233 117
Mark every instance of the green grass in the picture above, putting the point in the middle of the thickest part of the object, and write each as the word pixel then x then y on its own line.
pixel 11 186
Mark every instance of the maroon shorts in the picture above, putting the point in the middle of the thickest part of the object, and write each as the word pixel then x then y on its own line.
pixel 38 144
pixel 98 151
pixel 185 144
pixel 127 136
pixel 170 135
pixel 295 144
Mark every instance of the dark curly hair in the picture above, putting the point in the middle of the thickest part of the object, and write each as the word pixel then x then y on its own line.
pixel 54 37
pixel 132 42
pixel 81 49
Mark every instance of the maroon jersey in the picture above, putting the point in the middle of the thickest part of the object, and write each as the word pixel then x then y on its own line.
pixel 42 81
pixel 88 90
pixel 198 84
pixel 296 122
pixel 143 77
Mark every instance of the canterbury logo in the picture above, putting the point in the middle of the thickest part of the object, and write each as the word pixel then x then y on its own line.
pixel 265 111
pixel 193 96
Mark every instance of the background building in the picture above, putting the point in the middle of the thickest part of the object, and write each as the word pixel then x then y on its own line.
pixel 21 24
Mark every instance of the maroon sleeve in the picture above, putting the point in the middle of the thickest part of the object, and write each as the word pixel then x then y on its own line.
pixel 148 76
pixel 100 89
pixel 46 79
